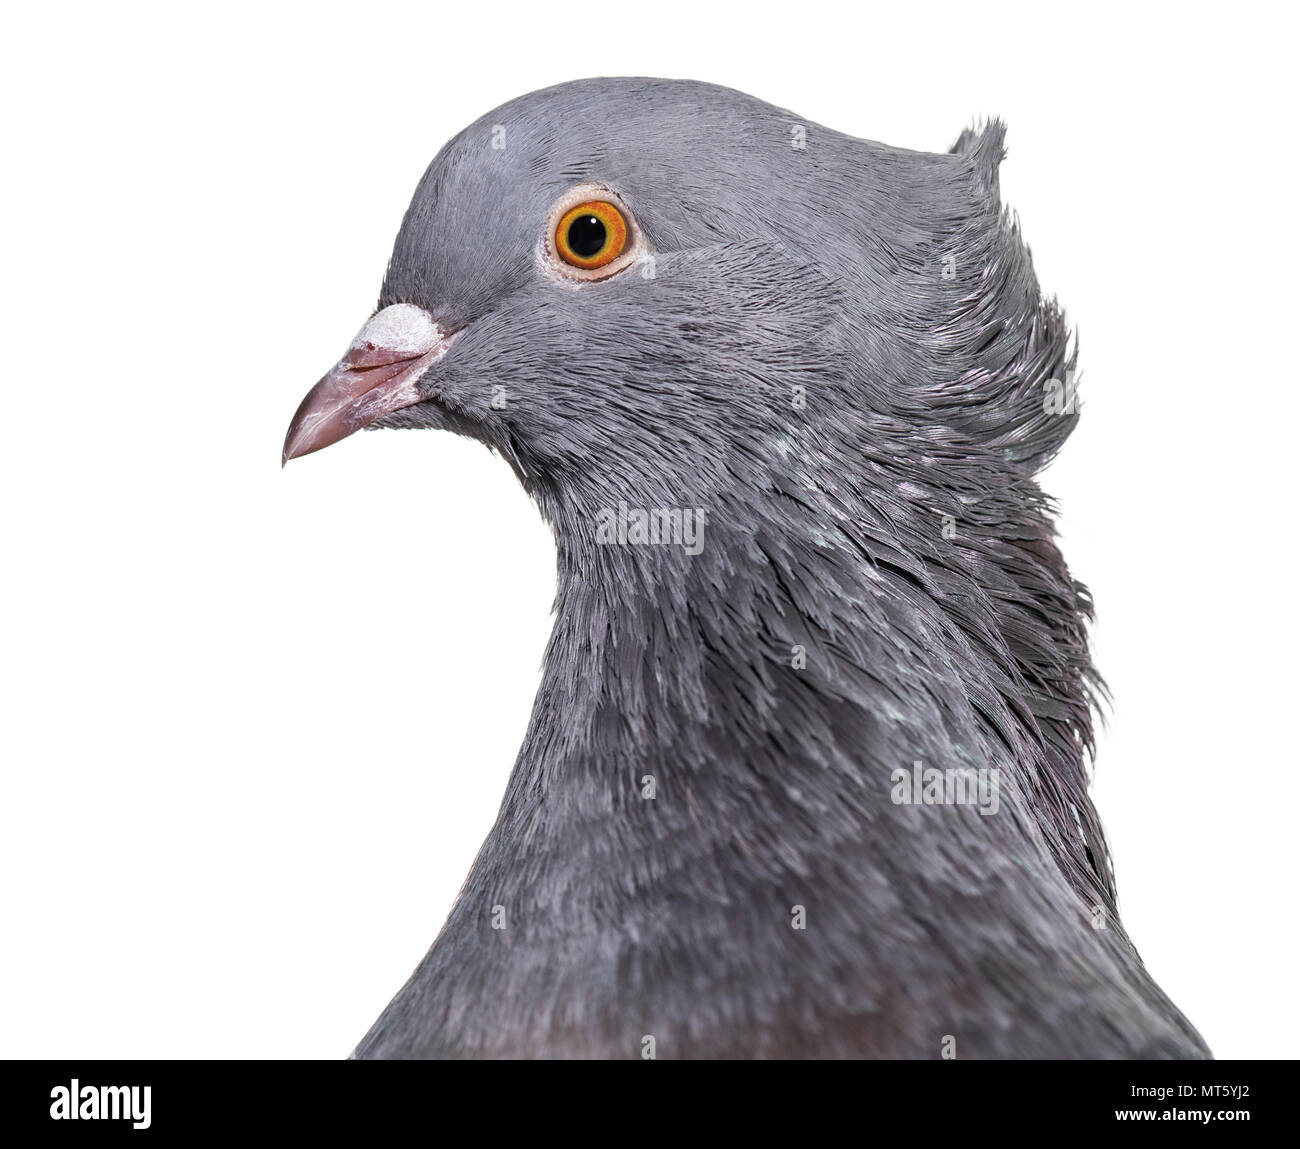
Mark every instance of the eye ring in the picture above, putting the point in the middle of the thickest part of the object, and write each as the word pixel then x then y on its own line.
pixel 591 235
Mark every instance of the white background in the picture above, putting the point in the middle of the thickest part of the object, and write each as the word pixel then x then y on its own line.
pixel 256 723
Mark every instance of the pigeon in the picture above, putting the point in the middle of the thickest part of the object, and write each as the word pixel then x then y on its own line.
pixel 807 771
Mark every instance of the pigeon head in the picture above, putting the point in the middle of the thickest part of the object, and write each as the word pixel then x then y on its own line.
pixel 640 290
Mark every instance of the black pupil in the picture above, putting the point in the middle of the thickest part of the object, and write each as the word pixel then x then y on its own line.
pixel 586 236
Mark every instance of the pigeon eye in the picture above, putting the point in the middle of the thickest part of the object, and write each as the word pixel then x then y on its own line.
pixel 591 235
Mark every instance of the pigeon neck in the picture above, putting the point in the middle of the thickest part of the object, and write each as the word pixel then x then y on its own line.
pixel 783 673
pixel 687 658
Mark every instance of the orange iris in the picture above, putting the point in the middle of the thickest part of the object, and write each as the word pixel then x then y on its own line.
pixel 591 234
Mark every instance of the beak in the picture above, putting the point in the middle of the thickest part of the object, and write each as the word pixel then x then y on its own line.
pixel 378 375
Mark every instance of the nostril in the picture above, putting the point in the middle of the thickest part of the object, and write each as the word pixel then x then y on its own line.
pixel 394 335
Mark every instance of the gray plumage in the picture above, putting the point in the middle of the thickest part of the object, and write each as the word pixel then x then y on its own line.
pixel 889 525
